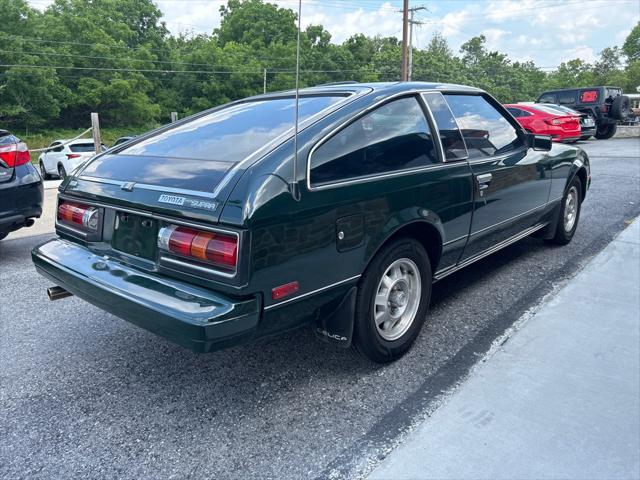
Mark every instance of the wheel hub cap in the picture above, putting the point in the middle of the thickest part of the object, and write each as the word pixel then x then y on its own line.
pixel 397 299
pixel 570 209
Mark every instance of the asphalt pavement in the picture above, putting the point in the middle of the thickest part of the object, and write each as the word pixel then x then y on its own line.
pixel 86 395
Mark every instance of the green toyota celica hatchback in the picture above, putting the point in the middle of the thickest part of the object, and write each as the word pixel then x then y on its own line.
pixel 226 227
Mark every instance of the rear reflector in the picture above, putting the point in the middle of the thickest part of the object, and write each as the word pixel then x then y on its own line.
pixel 214 248
pixel 79 215
pixel 285 290
pixel 15 154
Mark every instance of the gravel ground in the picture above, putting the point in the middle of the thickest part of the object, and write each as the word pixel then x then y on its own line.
pixel 86 395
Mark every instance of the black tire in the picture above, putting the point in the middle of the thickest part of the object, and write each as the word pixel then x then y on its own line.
pixel 43 172
pixel 563 235
pixel 368 340
pixel 606 131
pixel 620 108
pixel 62 173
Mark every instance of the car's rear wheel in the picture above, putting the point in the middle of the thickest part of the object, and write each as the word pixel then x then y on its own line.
pixel 392 301
pixel 62 173
pixel 606 131
pixel 43 172
pixel 569 213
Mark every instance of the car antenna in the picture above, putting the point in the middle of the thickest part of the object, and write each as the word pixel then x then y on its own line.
pixel 294 185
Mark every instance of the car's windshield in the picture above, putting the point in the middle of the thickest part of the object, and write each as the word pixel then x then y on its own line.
pixel 233 133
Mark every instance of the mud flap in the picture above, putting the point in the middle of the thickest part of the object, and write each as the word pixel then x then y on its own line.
pixel 337 326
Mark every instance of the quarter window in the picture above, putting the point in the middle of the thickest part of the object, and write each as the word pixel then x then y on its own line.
pixel 485 130
pixel 452 142
pixel 393 137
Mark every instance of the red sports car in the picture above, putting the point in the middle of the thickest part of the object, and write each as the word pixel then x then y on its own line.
pixel 545 120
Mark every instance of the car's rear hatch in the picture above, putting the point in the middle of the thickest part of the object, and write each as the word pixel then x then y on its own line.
pixel 188 169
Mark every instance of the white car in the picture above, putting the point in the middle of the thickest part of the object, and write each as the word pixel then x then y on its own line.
pixel 64 156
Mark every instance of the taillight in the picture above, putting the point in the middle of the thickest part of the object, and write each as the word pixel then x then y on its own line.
pixel 552 121
pixel 217 249
pixel 72 155
pixel 79 215
pixel 604 108
pixel 15 154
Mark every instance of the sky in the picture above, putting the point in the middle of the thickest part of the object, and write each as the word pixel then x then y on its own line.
pixel 547 32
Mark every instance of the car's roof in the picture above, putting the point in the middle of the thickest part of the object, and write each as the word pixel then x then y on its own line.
pixel 578 88
pixel 376 87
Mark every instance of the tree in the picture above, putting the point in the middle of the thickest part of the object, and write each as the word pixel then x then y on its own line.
pixel 631 46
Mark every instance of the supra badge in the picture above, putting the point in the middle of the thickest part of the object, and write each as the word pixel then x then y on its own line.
pixel 187 202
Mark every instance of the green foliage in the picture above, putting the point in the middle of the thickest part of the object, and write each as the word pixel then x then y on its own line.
pixel 117 58
pixel 631 46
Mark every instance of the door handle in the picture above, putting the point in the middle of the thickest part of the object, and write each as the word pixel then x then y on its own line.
pixel 484 180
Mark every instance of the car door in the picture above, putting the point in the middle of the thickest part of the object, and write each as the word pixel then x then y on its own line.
pixel 52 156
pixel 382 171
pixel 511 181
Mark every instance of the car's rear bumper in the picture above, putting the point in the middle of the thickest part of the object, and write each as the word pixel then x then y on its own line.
pixel 21 198
pixel 191 316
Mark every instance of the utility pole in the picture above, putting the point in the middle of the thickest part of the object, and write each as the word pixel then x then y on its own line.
pixel 412 22
pixel 405 27
pixel 264 81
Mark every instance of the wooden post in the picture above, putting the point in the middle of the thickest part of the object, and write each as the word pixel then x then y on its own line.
pixel 174 117
pixel 405 35
pixel 95 125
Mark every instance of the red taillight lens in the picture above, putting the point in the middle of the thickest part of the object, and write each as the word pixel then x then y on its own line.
pixel 552 121
pixel 79 215
pixel 215 248
pixel 72 155
pixel 15 154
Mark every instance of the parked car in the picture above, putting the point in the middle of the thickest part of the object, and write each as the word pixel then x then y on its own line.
pixel 587 124
pixel 544 120
pixel 606 105
pixel 21 190
pixel 64 156
pixel 393 186
pixel 122 140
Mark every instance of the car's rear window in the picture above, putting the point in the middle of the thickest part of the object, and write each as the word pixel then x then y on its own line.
pixel 233 133
pixel 549 109
pixel 82 147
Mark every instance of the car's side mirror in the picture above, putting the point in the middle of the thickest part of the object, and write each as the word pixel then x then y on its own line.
pixel 541 143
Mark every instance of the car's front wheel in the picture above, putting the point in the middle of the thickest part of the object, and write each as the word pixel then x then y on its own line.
pixel 569 213
pixel 606 131
pixel 392 300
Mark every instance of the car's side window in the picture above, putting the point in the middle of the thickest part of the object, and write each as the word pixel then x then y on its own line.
pixel 486 131
pixel 56 147
pixel 392 137
pixel 516 112
pixel 450 136
pixel 547 98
